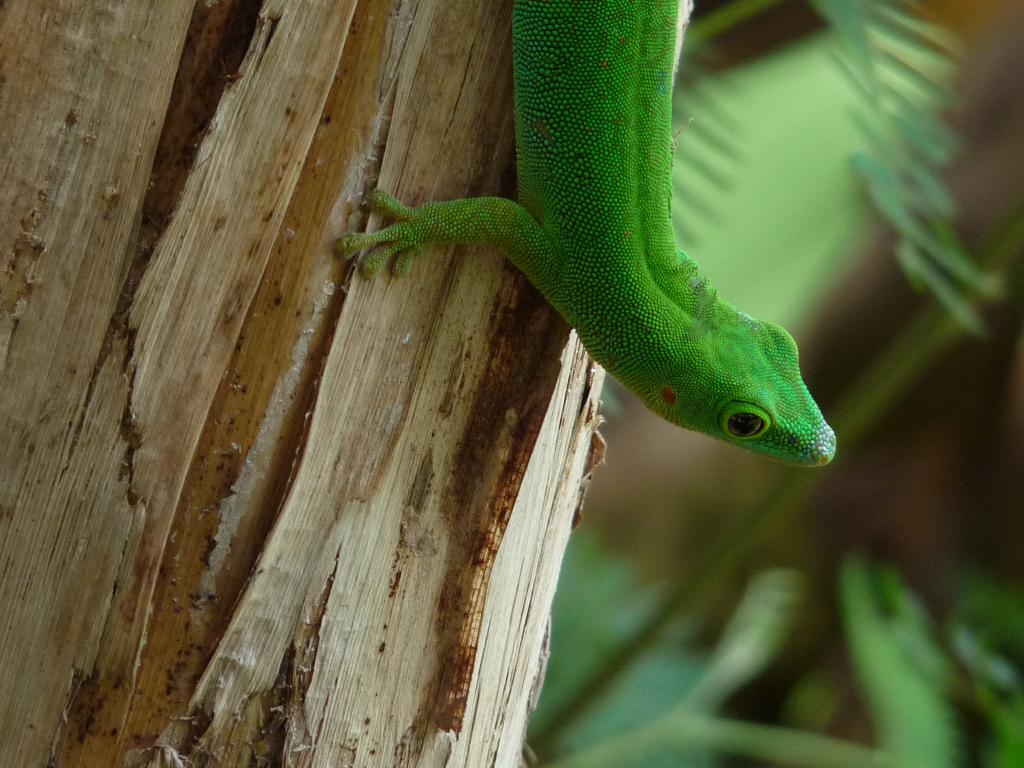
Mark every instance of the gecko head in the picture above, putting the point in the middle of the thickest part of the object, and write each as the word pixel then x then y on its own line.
pixel 738 380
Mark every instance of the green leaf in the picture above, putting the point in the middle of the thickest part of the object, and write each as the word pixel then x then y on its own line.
pixel 993 611
pixel 751 640
pixel 932 143
pixel 901 73
pixel 635 724
pixel 599 601
pixel 989 668
pixel 912 33
pixel 1007 721
pixel 792 208
pixel 929 191
pixel 902 671
pixel 925 275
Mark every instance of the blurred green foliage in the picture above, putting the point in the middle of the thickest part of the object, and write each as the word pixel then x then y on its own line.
pixel 900 667
pixel 773 158
pixel 589 583
pixel 666 709
pixel 763 181
pixel 902 66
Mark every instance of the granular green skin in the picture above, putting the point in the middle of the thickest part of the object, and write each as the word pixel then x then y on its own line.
pixel 592 230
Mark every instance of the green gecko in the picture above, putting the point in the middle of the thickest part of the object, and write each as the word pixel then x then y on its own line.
pixel 592 230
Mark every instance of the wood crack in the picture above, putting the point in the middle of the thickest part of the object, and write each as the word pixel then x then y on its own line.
pixel 266 27
pixel 215 45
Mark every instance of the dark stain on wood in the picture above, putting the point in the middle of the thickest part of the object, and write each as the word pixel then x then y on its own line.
pixel 505 419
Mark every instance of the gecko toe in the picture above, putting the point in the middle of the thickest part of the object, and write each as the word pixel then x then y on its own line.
pixel 349 245
pixel 372 264
pixel 385 204
pixel 403 263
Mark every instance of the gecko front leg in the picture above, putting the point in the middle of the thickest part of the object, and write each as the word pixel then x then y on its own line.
pixel 494 221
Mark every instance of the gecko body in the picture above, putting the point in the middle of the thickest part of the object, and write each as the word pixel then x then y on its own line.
pixel 592 230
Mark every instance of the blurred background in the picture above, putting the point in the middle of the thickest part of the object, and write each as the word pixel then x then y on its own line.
pixel 854 170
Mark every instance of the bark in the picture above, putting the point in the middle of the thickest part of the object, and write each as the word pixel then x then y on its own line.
pixel 251 506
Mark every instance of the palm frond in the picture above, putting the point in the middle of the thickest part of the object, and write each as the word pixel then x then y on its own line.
pixel 901 66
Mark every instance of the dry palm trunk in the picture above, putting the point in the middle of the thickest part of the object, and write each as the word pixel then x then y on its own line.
pixel 249 507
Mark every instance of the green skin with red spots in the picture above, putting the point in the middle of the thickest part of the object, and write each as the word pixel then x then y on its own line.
pixel 592 230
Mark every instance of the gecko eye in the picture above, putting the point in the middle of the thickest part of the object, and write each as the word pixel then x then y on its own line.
pixel 744 421
pixel 745 425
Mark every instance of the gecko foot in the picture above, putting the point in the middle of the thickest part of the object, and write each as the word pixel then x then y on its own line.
pixel 400 242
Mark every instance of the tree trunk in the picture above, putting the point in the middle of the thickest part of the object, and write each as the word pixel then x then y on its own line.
pixel 251 506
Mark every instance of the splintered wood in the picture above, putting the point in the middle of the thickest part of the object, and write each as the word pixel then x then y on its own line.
pixel 254 510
